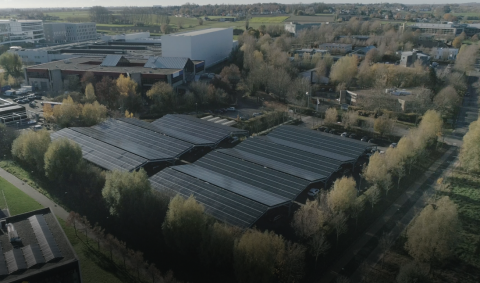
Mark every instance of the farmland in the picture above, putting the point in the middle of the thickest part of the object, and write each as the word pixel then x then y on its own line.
pixel 271 20
pixel 312 19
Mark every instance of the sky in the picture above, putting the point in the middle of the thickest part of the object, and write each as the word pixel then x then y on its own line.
pixel 89 3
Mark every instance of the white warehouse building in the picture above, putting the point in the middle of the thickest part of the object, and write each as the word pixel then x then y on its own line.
pixel 211 45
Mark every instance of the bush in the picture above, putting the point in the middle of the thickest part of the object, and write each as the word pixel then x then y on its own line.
pixel 30 147
pixel 62 160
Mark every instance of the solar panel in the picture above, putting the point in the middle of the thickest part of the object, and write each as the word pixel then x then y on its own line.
pixel 268 179
pixel 102 154
pixel 3 263
pixel 47 243
pixel 323 141
pixel 219 203
pixel 232 185
pixel 282 167
pixel 33 255
pixel 127 145
pixel 262 147
pixel 15 261
pixel 232 130
pixel 164 144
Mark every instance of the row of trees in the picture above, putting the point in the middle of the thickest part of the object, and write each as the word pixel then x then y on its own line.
pixel 71 113
pixel 470 153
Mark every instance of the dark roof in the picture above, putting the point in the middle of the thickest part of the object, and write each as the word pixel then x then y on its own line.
pixel 31 260
pixel 111 60
pixel 166 62
pixel 220 203
pixel 141 136
pixel 194 130
pixel 233 185
pixel 268 179
pixel 339 148
pixel 102 154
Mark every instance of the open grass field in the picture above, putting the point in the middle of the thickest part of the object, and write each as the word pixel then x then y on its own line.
pixel 94 268
pixel 272 20
pixel 465 192
pixel 312 19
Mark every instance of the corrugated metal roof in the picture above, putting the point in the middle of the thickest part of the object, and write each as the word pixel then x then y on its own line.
pixel 111 60
pixel 166 62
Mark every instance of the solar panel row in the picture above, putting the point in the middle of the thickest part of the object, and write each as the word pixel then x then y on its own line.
pixel 102 154
pixel 45 239
pixel 222 204
pixel 15 260
pixel 3 263
pixel 33 255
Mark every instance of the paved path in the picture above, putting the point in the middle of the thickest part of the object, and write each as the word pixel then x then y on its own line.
pixel 43 200
pixel 372 231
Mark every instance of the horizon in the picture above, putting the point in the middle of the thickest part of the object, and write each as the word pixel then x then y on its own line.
pixel 31 4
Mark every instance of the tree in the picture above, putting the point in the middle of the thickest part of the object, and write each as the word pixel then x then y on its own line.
pixel 373 195
pixel 470 150
pixel 292 266
pixel 67 113
pixel 93 114
pixel 90 93
pixel 350 119
pixel 308 219
pixel 331 116
pixel 216 252
pixel 342 197
pixel 384 125
pixel 357 208
pixel 319 245
pixel 123 191
pixel 200 21
pixel 165 28
pixel 457 42
pixel 377 171
pixel 184 225
pixel 430 128
pixel 431 237
pixel 344 70
pixel 412 273
pixel 256 256
pixel 126 86
pixel 72 83
pixel 62 160
pixel 339 223
pixel 447 100
pixel 87 78
pixel 162 95
pixel 231 75
pixel 107 93
pixel 30 148
pixel 7 136
pixel 464 62
pixel 11 63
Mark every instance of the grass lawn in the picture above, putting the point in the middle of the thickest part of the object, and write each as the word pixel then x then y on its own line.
pixel 278 19
pixel 94 267
pixel 465 192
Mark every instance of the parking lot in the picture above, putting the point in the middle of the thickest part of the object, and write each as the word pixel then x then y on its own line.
pixel 35 107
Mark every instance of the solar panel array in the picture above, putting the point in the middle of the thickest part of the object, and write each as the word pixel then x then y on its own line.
pixel 222 204
pixel 33 255
pixel 3 263
pixel 233 185
pixel 102 154
pixel 15 260
pixel 339 147
pixel 47 243
pixel 168 146
pixel 262 147
pixel 194 130
pixel 270 180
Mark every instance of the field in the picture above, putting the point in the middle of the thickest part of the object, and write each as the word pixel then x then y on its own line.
pixel 271 20
pixel 312 19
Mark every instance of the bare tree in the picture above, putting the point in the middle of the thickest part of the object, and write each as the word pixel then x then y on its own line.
pixel 349 119
pixel 319 245
pixel 331 116
pixel 339 223
pixel 373 195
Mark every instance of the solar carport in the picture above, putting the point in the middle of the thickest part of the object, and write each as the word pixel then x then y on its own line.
pixel 335 147
pixel 195 131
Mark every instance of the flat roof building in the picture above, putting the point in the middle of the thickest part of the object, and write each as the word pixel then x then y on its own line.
pixel 336 47
pixel 40 251
pixel 69 32
pixel 295 28
pixel 21 31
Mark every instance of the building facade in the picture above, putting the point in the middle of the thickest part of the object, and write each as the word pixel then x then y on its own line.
pixel 336 48
pixel 445 54
pixel 55 32
pixel 295 28
pixel 211 45
pixel 408 58
pixel 81 31
pixel 21 31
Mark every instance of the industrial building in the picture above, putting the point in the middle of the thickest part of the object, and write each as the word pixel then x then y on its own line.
pixel 295 28
pixel 145 72
pixel 408 58
pixel 34 248
pixel 210 45
pixel 129 144
pixel 336 48
pixel 69 32
pixel 259 179
pixel 21 31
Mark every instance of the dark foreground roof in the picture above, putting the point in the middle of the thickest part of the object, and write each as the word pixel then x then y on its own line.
pixel 44 253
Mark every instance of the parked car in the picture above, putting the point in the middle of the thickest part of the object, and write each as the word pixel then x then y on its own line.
pixel 364 139
pixel 371 141
pixel 37 127
pixel 353 136
pixel 32 104
pixel 332 132
pixel 321 129
pixel 393 145
pixel 344 134
pixel 313 192
pixel 327 130
pixel 257 114
pixel 230 109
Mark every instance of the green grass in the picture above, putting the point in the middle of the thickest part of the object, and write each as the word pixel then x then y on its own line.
pixel 18 201
pixel 273 20
pixel 465 192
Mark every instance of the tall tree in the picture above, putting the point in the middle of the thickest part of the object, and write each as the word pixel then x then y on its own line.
pixel 344 70
pixel 162 95
pixel 470 150
pixel 343 194
pixel 126 86
pixel 90 93
pixel 331 116
pixel 11 63
pixel 30 148
pixel 7 136
pixel 384 125
pixel 107 93
pixel 93 114
pixel 62 160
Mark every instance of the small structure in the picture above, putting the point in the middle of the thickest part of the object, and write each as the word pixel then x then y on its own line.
pixel 362 52
pixel 336 47
pixel 408 58
pixel 295 28
pixel 445 54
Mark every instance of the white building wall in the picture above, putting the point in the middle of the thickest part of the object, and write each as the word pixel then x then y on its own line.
pixel 211 45
pixel 29 31
pixel 33 57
